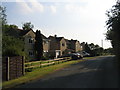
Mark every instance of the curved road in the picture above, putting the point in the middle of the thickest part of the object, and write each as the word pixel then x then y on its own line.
pixel 95 73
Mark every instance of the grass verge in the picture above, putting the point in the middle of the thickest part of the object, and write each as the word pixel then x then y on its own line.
pixel 37 74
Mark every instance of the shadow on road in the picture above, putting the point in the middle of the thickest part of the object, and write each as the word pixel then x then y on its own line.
pixel 99 73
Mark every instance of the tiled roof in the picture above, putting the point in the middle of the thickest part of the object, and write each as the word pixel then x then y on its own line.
pixel 23 32
pixel 56 38
pixel 59 38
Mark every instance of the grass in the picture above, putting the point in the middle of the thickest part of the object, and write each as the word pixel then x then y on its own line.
pixel 37 74
pixel 91 57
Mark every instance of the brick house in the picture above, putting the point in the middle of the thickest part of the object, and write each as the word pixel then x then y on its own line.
pixel 57 46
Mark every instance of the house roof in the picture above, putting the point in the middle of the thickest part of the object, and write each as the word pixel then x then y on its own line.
pixel 44 37
pixel 59 38
pixel 56 38
pixel 24 32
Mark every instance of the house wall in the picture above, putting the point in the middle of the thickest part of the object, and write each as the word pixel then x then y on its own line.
pixel 46 45
pixel 54 45
pixel 29 40
pixel 78 46
pixel 63 46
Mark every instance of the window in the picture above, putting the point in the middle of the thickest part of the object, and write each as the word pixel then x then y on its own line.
pixel 30 41
pixel 30 53
pixel 63 44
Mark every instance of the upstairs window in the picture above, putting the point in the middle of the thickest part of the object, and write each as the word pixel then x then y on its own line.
pixel 31 53
pixel 63 44
pixel 30 41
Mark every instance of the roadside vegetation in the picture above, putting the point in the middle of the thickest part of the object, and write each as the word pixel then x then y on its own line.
pixel 113 29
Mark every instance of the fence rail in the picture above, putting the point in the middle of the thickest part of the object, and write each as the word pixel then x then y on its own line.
pixel 36 64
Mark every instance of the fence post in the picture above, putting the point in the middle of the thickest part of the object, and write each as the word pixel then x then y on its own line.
pixel 23 66
pixel 7 68
pixel 40 64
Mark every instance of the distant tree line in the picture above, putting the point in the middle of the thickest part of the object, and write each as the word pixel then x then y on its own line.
pixel 95 50
pixel 113 29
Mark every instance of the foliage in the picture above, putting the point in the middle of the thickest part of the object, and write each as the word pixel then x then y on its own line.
pixel 109 51
pixel 3 15
pixel 12 43
pixel 94 50
pixel 38 45
pixel 12 46
pixel 27 26
pixel 113 27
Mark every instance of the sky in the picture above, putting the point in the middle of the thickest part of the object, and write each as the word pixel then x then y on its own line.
pixel 82 20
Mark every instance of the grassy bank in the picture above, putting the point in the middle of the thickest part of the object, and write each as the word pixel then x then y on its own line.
pixel 40 72
pixel 37 74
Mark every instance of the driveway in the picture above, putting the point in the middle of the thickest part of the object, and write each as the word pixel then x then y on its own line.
pixel 94 73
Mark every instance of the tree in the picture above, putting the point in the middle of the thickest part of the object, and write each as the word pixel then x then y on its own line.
pixel 12 46
pixel 113 28
pixel 3 15
pixel 38 45
pixel 27 26
pixel 87 48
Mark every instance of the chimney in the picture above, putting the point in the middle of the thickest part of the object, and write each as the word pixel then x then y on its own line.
pixel 55 35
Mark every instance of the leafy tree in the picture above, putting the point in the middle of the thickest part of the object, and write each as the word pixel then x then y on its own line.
pixel 12 46
pixel 3 15
pixel 109 51
pixel 87 48
pixel 113 27
pixel 27 26
pixel 39 45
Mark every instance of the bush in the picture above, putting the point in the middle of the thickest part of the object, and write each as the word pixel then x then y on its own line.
pixel 12 46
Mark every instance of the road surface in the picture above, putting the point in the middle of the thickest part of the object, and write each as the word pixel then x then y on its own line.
pixel 94 73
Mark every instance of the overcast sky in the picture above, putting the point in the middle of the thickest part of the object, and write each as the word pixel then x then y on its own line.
pixel 83 20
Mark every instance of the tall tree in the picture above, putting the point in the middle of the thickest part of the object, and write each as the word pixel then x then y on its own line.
pixel 27 26
pixel 3 15
pixel 113 27
pixel 38 45
pixel 87 48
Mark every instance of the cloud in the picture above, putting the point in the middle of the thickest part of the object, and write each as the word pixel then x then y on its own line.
pixel 37 6
pixel 23 7
pixel 29 7
pixel 73 8
pixel 53 9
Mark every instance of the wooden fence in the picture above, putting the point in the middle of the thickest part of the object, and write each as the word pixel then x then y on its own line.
pixel 12 67
pixel 36 64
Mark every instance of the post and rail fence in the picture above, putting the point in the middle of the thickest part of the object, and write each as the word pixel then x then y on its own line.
pixel 14 67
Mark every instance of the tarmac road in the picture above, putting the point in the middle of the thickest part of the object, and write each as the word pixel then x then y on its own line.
pixel 96 73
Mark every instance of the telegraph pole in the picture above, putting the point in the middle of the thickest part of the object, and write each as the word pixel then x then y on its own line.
pixel 102 43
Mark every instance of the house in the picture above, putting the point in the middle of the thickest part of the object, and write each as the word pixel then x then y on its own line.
pixel 57 46
pixel 73 45
pixel 29 42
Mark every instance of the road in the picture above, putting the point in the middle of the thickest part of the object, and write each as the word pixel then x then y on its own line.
pixel 94 73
